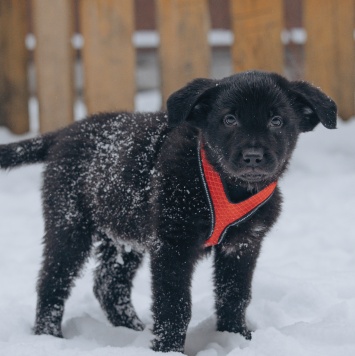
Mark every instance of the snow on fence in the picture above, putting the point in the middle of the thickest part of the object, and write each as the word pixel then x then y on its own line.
pixel 184 41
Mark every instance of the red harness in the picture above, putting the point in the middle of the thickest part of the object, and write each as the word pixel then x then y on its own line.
pixel 224 213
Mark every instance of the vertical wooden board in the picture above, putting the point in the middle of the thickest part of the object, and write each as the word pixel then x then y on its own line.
pixel 329 50
pixel 257 26
pixel 184 51
pixel 54 62
pixel 293 51
pixel 108 53
pixel 13 66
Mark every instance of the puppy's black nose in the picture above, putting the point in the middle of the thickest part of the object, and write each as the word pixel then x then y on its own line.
pixel 253 156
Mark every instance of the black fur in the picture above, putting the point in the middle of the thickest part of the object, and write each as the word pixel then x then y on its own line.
pixel 122 178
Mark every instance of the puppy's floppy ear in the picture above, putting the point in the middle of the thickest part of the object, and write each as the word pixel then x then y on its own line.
pixel 182 103
pixel 313 106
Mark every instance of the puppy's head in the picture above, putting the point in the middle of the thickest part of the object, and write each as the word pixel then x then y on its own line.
pixel 250 122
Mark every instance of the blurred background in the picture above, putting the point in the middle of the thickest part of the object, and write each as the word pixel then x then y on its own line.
pixel 63 59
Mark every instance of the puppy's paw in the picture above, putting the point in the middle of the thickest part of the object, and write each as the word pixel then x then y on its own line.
pixel 246 333
pixel 126 317
pixel 160 345
pixel 135 324
pixel 48 330
pixel 242 330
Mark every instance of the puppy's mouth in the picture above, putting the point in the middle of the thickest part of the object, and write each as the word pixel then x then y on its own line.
pixel 248 175
pixel 253 177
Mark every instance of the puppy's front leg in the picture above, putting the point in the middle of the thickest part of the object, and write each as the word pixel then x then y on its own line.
pixel 172 268
pixel 233 277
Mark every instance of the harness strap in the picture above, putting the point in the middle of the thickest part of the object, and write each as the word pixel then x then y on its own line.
pixel 224 213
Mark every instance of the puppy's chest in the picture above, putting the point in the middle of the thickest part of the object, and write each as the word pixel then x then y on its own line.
pixel 187 210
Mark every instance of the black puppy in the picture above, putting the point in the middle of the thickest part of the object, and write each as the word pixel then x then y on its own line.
pixel 129 183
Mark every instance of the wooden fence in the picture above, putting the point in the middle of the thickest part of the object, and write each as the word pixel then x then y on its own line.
pixel 109 56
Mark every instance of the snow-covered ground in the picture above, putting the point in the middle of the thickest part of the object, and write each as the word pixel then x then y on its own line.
pixel 303 290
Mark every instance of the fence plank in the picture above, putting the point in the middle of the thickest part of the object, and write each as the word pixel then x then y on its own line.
pixel 184 51
pixel 108 53
pixel 13 66
pixel 330 55
pixel 257 26
pixel 54 56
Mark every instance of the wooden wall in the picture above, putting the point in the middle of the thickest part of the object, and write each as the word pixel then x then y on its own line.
pixel 109 56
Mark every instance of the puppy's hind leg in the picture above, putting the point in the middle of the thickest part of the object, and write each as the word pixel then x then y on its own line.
pixel 113 283
pixel 65 251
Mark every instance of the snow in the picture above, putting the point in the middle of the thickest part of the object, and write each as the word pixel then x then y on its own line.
pixel 151 39
pixel 303 289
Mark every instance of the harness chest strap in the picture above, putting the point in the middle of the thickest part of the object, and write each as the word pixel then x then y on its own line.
pixel 224 213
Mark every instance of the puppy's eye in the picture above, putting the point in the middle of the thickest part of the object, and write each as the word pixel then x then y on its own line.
pixel 276 122
pixel 230 120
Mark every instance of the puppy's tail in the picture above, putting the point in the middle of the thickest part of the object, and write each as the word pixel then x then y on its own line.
pixel 34 150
